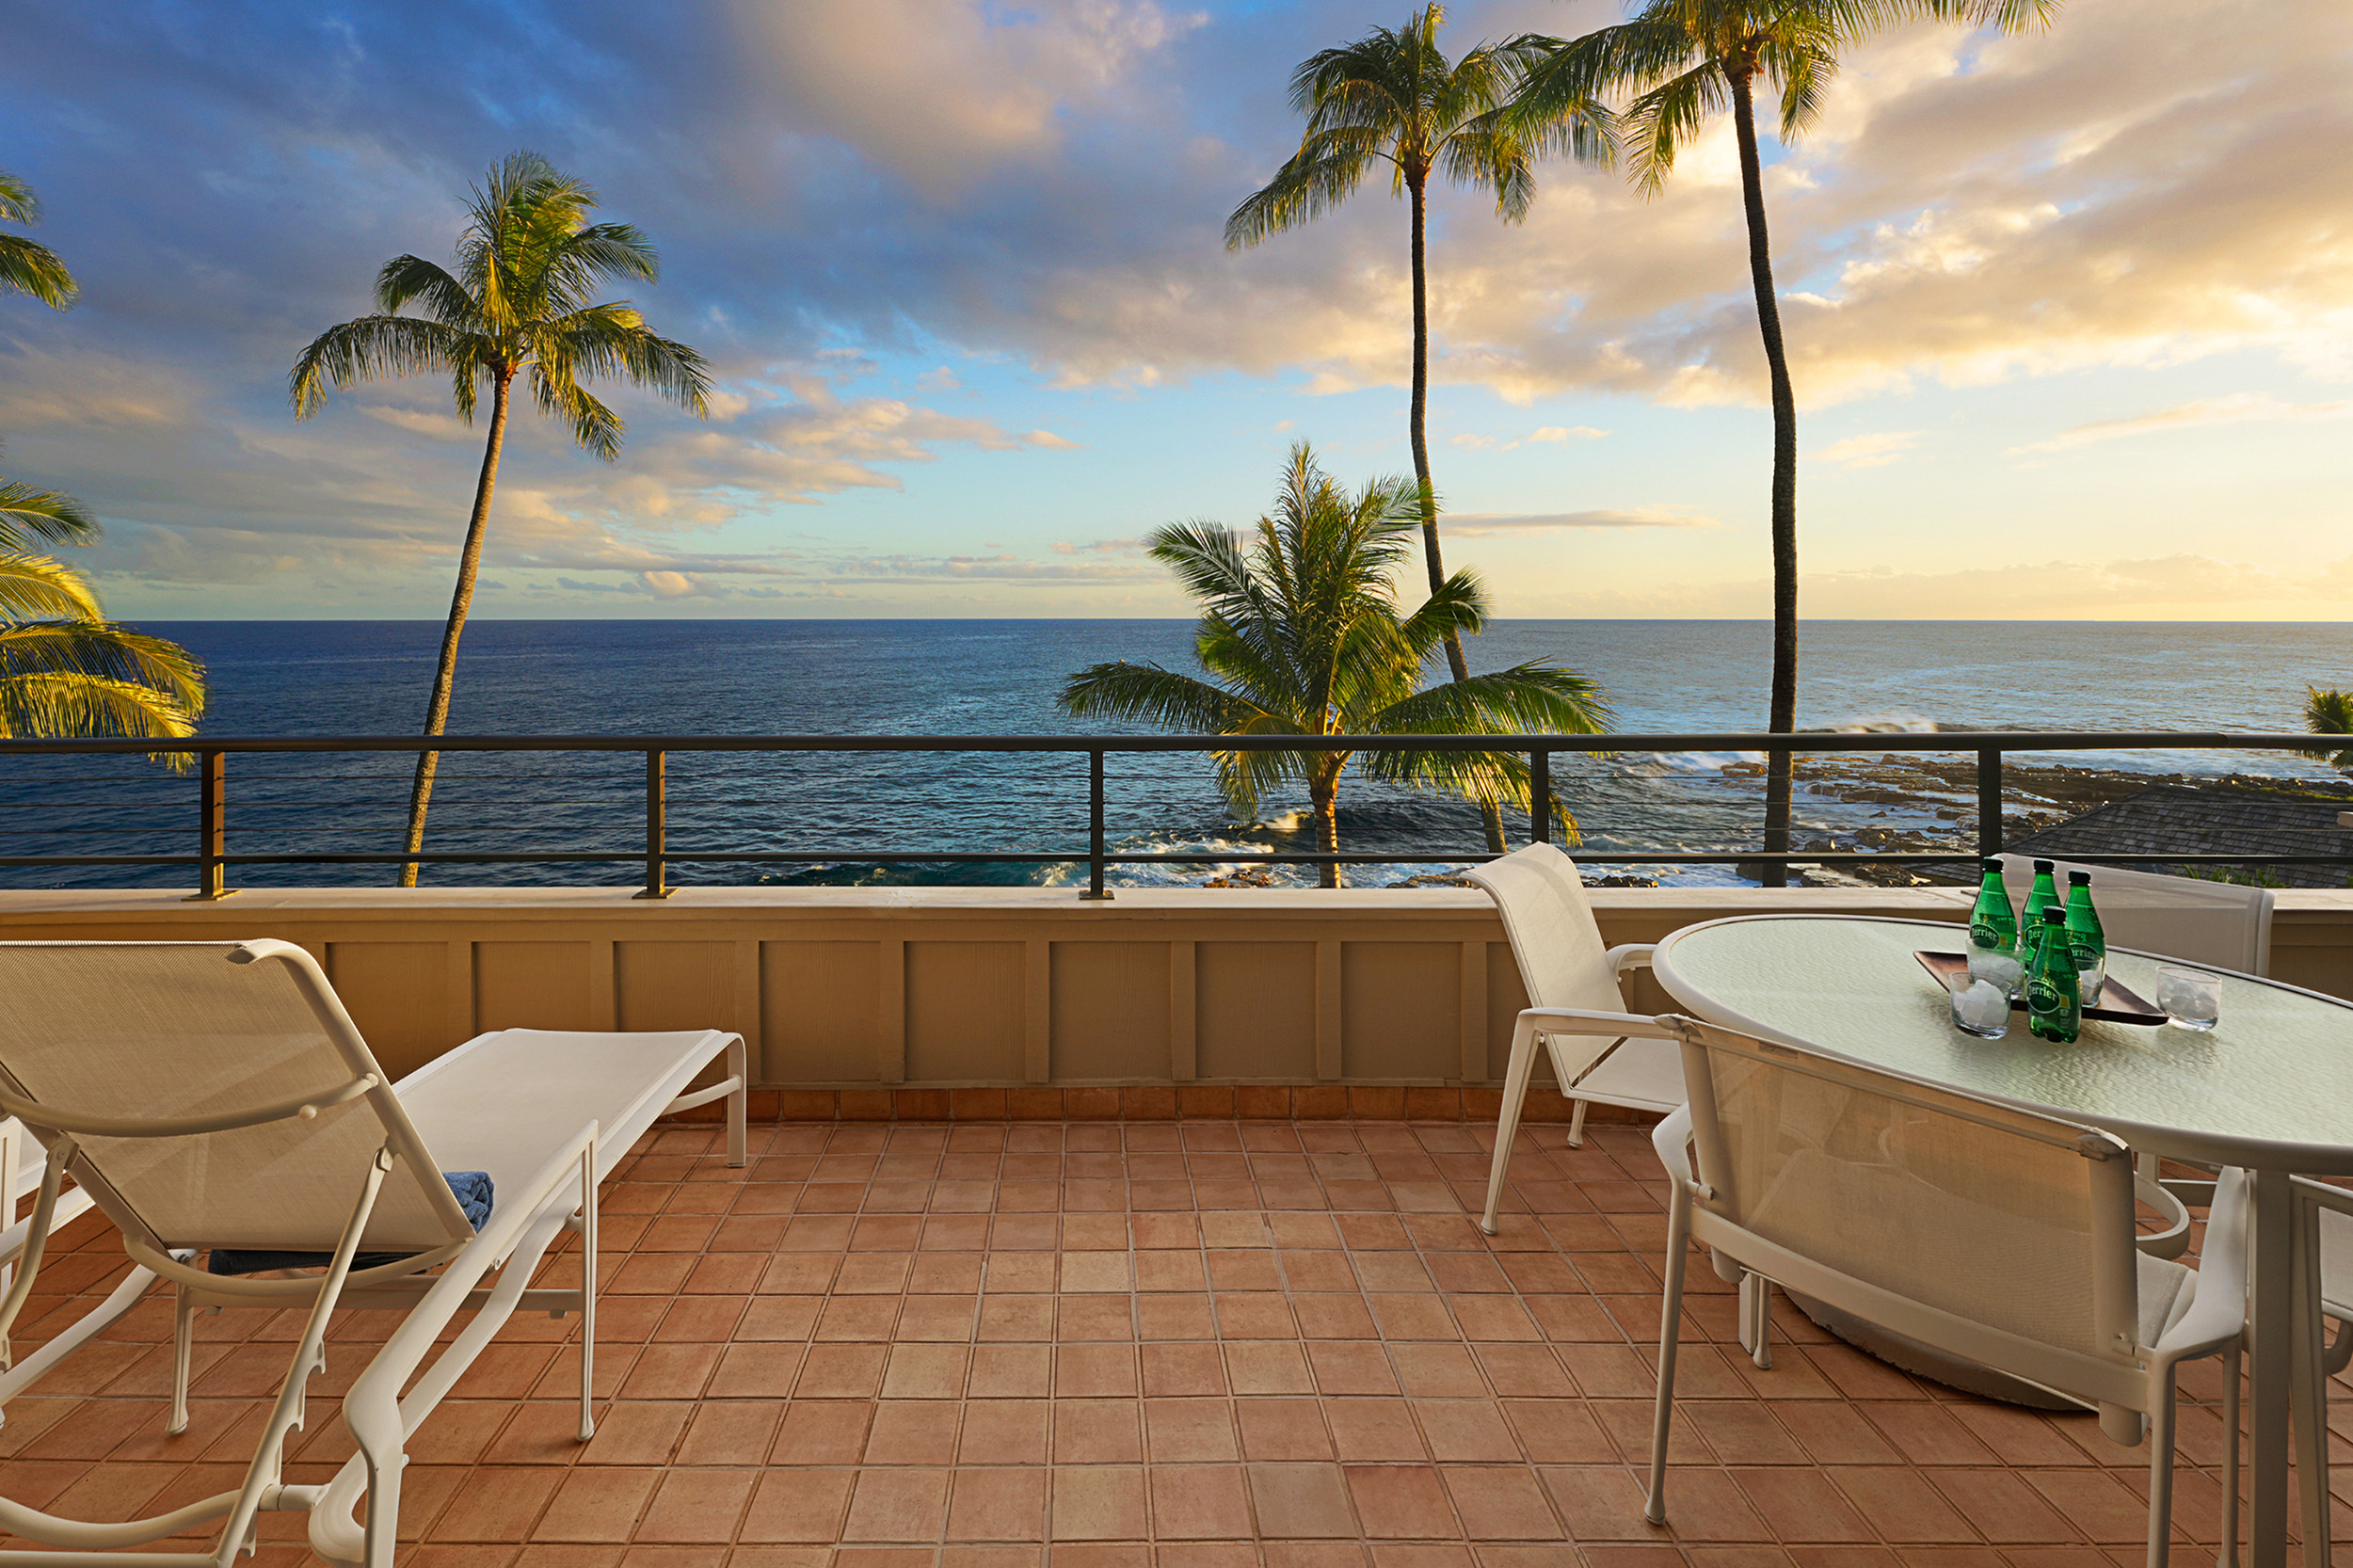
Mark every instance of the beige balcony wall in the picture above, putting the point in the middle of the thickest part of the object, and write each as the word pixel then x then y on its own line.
pixel 862 988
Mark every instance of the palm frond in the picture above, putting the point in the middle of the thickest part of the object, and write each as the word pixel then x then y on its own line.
pixel 1532 699
pixel 404 278
pixel 18 204
pixel 104 651
pixel 1658 122
pixel 1459 606
pixel 27 514
pixel 1483 156
pixel 76 707
pixel 36 587
pixel 1321 175
pixel 596 428
pixel 29 267
pixel 375 347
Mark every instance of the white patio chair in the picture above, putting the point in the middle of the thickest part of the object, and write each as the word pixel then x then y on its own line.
pixel 2187 917
pixel 1563 965
pixel 23 1165
pixel 216 1095
pixel 2323 1286
pixel 1984 1231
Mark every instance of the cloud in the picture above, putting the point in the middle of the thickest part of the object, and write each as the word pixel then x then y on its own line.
pixel 1872 450
pixel 1474 524
pixel 2239 408
pixel 841 185
pixel 1099 547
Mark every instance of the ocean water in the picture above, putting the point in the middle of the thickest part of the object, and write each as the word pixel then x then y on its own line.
pixel 970 678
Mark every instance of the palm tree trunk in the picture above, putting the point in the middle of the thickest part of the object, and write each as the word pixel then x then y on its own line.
pixel 469 566
pixel 1783 716
pixel 1323 800
pixel 1490 814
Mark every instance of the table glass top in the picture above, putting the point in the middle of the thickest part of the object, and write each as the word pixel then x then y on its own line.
pixel 2279 1066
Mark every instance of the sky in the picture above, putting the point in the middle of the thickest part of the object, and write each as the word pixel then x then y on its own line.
pixel 2071 313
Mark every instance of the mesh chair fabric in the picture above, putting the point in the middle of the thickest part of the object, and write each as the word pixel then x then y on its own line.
pixel 1975 1210
pixel 1563 960
pixel 165 1031
pixel 2181 917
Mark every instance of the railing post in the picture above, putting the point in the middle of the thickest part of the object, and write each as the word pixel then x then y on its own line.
pixel 657 864
pixel 1095 849
pixel 1539 796
pixel 1989 802
pixel 212 827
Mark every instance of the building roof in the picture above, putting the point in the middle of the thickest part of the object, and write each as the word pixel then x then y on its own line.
pixel 2172 818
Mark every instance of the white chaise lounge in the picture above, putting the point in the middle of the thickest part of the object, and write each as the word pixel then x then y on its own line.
pixel 216 1097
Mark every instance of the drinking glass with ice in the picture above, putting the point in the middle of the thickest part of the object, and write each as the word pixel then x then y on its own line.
pixel 2190 998
pixel 1980 1006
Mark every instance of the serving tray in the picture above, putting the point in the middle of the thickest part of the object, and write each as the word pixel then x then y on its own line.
pixel 2119 1004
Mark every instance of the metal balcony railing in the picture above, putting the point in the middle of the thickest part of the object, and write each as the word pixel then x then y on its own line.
pixel 207 851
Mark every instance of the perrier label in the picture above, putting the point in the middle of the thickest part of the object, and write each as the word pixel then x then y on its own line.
pixel 1991 926
pixel 2054 1007
pixel 2040 895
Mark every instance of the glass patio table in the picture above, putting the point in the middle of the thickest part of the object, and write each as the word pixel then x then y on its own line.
pixel 2269 1089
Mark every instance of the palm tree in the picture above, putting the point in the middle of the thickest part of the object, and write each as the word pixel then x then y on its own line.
pixel 1394 98
pixel 2330 713
pixel 522 298
pixel 25 266
pixel 1683 62
pixel 1302 633
pixel 65 669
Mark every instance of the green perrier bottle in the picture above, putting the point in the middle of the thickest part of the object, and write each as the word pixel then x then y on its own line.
pixel 2043 895
pixel 1991 926
pixel 2090 942
pixel 2054 1011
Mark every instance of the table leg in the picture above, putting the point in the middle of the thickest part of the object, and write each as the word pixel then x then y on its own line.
pixel 2270 1317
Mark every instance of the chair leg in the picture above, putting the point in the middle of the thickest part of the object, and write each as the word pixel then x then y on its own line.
pixel 1507 1122
pixel 1756 1319
pixel 2161 1411
pixel 2308 1397
pixel 2230 1456
pixel 1576 1124
pixel 184 1316
pixel 1670 1333
pixel 588 1292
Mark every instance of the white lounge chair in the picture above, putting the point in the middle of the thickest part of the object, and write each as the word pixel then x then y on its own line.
pixel 22 1165
pixel 216 1096
pixel 1984 1231
pixel 1563 965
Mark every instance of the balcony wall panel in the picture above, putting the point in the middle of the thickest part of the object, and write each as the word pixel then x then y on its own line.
pixel 1111 1011
pixel 997 988
pixel 673 985
pixel 532 985
pixel 1255 1011
pixel 820 1012
pixel 1401 1011
pixel 967 1012
pixel 399 994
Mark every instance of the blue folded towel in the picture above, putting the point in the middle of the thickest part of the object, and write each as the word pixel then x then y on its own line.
pixel 470 1187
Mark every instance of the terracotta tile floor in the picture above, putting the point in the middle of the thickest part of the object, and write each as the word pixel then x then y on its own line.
pixel 1106 1345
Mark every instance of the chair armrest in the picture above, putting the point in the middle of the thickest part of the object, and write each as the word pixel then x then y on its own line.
pixel 1556 1020
pixel 1672 1138
pixel 1630 955
pixel 2174 1239
pixel 2219 1312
